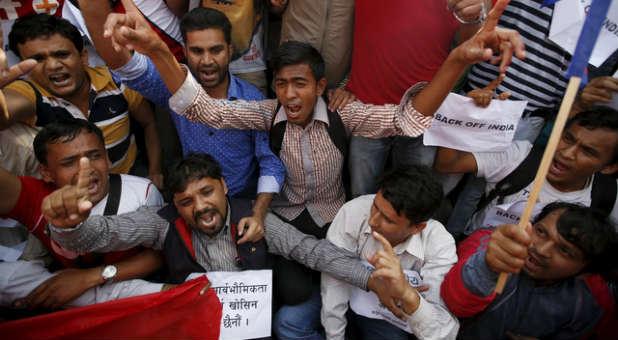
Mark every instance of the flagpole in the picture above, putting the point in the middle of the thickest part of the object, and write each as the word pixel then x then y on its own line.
pixel 548 155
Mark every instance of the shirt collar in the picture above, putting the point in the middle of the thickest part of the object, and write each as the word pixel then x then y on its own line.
pixel 413 245
pixel 233 91
pixel 319 113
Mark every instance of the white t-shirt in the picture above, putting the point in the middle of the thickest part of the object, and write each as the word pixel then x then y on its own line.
pixel 495 166
pixel 135 192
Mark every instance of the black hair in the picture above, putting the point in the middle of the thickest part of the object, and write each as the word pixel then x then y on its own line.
pixel 62 131
pixel 190 168
pixel 599 117
pixel 294 53
pixel 412 191
pixel 42 25
pixel 589 230
pixel 202 18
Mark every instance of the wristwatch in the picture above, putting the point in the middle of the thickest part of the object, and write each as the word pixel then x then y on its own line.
pixel 109 272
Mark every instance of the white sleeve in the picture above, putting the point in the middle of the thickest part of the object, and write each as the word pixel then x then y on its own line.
pixel 495 166
pixel 336 293
pixel 153 196
pixel 432 319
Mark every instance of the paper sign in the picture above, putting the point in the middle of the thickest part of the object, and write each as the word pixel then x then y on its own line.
pixel 246 297
pixel 460 124
pixel 508 213
pixel 367 303
pixel 568 20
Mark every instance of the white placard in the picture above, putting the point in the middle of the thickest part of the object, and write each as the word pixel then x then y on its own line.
pixel 246 297
pixel 367 303
pixel 460 124
pixel 568 20
pixel 508 213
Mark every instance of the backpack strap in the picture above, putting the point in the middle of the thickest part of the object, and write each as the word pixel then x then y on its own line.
pixel 518 179
pixel 277 131
pixel 336 131
pixel 113 197
pixel 603 194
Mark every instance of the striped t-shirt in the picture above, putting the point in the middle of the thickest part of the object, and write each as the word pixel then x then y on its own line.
pixel 110 104
pixel 539 78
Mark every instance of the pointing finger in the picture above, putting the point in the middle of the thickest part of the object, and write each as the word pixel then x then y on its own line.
pixel 385 244
pixel 491 22
pixel 494 83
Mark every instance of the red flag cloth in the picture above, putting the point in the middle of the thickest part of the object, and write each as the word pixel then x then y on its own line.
pixel 179 313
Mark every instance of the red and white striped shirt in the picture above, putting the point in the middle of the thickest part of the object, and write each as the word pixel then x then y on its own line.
pixel 312 162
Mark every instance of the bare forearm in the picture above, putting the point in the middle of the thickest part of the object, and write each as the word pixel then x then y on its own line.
pixel 153 148
pixel 170 70
pixel 94 13
pixel 139 265
pixel 432 96
pixel 262 202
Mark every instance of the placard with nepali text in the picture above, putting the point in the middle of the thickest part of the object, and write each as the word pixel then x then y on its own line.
pixel 246 297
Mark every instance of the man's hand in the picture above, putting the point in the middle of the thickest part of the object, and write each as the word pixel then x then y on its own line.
pixel 598 90
pixel 70 205
pixel 61 289
pixel 251 228
pixel 467 10
pixel 338 98
pixel 491 39
pixel 482 97
pixel 9 74
pixel 508 248
pixel 131 31
pixel 389 270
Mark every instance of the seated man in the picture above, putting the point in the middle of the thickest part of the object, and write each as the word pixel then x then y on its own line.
pixel 58 148
pixel 585 157
pixel 62 86
pixel 400 212
pixel 546 297
pixel 196 232
pixel 310 140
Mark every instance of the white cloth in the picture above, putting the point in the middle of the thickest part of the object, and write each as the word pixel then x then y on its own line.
pixel 135 192
pixel 19 278
pixel 155 10
pixel 495 166
pixel 431 253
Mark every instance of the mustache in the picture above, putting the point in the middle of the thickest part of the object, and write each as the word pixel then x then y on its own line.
pixel 205 211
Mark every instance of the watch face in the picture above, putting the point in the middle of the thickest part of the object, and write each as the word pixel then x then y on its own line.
pixel 109 272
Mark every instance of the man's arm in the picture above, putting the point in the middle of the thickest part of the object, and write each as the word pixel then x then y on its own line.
pixel 71 283
pixel 454 161
pixel 14 106
pixel 426 314
pixel 178 7
pixel 468 11
pixel 468 287
pixel 145 117
pixel 321 255
pixel 417 107
pixel 94 13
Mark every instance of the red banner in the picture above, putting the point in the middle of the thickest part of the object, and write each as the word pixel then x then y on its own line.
pixel 179 313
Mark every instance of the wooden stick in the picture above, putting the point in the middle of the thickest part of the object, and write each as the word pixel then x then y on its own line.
pixel 548 156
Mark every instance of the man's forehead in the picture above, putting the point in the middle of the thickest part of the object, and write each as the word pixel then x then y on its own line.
pixel 84 140
pixel 205 38
pixel 295 71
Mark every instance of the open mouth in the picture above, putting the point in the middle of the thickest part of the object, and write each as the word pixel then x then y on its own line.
pixel 533 264
pixel 209 74
pixel 60 80
pixel 558 168
pixel 293 110
pixel 207 220
pixel 93 186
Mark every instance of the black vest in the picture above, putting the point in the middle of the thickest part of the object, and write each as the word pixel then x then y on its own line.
pixel 180 260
